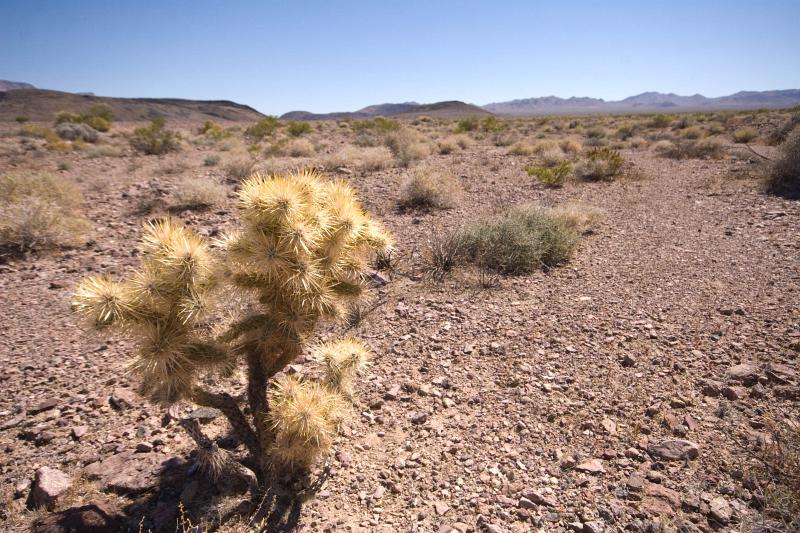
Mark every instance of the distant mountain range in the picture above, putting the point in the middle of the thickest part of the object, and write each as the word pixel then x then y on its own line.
pixel 17 98
pixel 646 102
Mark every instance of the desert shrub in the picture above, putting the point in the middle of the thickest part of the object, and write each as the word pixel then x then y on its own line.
pixel 369 158
pixel 521 148
pixel 549 153
pixel 596 132
pixel 637 142
pixel 550 176
pixel 198 193
pixel 98 118
pixel 782 132
pixel 446 146
pixel 239 168
pixel 692 133
pixel 445 252
pixel 600 164
pixel 155 139
pixel 744 135
pixel 261 129
pixel 102 151
pixel 492 124
pixel 659 122
pixel 463 141
pixel 570 146
pixel 783 177
pixel 406 146
pixel 21 119
pixel 467 124
pixel 67 117
pixel 429 190
pixel 296 129
pixel 378 125
pixel 76 132
pixel 775 479
pixel 213 130
pixel 297 260
pixel 519 241
pixel 625 132
pixel 682 123
pixel 39 211
pixel 212 160
pixel 687 149
pixel 300 148
pixel 581 219
pixel 96 123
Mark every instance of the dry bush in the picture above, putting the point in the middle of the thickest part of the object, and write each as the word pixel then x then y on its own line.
pixel 39 211
pixel 570 146
pixel 692 133
pixel 519 241
pixel 212 160
pixel 103 151
pixel 783 177
pixel 239 168
pixel 521 148
pixel 549 153
pixel 782 132
pixel 406 146
pixel 582 219
pixel 446 146
pixel 600 164
pixel 637 142
pixel 368 159
pixel 502 139
pixel 300 148
pixel 463 141
pixel 199 193
pixel 686 149
pixel 744 135
pixel 429 190
pixel 77 132
pixel 445 251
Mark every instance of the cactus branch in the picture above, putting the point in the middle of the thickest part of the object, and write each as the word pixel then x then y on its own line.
pixel 228 406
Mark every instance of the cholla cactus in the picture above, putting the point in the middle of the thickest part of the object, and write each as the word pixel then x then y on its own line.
pixel 299 256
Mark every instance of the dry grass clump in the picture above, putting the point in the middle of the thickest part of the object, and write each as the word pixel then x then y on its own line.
pixel 39 211
pixel 550 176
pixel 519 241
pixel 427 190
pixel 103 151
pixel 708 148
pixel 570 146
pixel 199 194
pixel 692 133
pixel 300 148
pixel 783 177
pixel 76 132
pixel 406 146
pixel 239 168
pixel 212 130
pixel 296 129
pixel 155 139
pixel 368 159
pixel 582 219
pixel 600 164
pixel 782 132
pixel 548 153
pixel 744 135
pixel 521 148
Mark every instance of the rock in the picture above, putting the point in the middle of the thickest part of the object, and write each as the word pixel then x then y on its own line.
pixel 719 510
pixel 441 508
pixel 205 414
pixel 609 425
pixel 733 393
pixel 660 500
pixel 344 458
pixel 42 406
pixel 628 361
pixel 744 373
pixel 393 393
pixel 11 422
pixel 538 498
pixel 493 528
pixel 376 280
pixel 635 483
pixel 781 374
pixel 94 517
pixel 418 418
pixel 379 492
pixel 712 388
pixel 22 488
pixel 48 485
pixel 144 447
pixel 79 431
pixel 594 526
pixel 674 450
pixel 592 466
pixel 131 473
pixel 122 399
pixel 525 503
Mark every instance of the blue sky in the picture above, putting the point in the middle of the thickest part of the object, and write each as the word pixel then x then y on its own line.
pixel 342 55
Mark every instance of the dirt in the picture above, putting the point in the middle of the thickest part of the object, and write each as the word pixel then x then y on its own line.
pixel 544 402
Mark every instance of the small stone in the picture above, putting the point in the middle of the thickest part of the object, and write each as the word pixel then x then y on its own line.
pixel 592 466
pixel 79 431
pixel 660 500
pixel 393 393
pixel 635 483
pixel 379 492
pixel 344 458
pixel 744 373
pixel 48 485
pixel 628 361
pixel 609 425
pixel 43 406
pixel 441 508
pixel 674 450
pixel 122 399
pixel 418 418
pixel 538 498
pixel 144 447
pixel 733 393
pixel 719 510
pixel 594 526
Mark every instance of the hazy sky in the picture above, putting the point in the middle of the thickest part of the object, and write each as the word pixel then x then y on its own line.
pixel 342 55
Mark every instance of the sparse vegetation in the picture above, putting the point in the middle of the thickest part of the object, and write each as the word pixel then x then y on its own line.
pixel 783 177
pixel 550 176
pixel 155 139
pixel 198 194
pixel 708 148
pixel 238 169
pixel 262 129
pixel 744 135
pixel 406 146
pixel 98 118
pixel 519 241
pixel 600 164
pixel 368 159
pixel 467 125
pixel 39 211
pixel 212 160
pixel 76 132
pixel 213 130
pixel 300 148
pixel 165 305
pixel 296 129
pixel 429 190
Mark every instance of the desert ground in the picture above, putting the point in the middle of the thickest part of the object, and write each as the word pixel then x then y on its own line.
pixel 647 382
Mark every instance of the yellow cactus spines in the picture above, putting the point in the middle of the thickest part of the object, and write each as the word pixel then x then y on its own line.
pixel 297 258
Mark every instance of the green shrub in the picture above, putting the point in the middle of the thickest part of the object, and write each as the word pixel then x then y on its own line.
pixel 155 139
pixel 467 125
pixel 213 130
pixel 659 122
pixel 99 118
pixel 212 160
pixel 744 135
pixel 600 164
pixel 379 124
pixel 519 241
pixel 550 176
pixel 688 149
pixel 76 132
pixel 39 211
pixel 296 129
pixel 261 129
pixel 783 177
pixel 22 119
pixel 596 132
pixel 492 124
